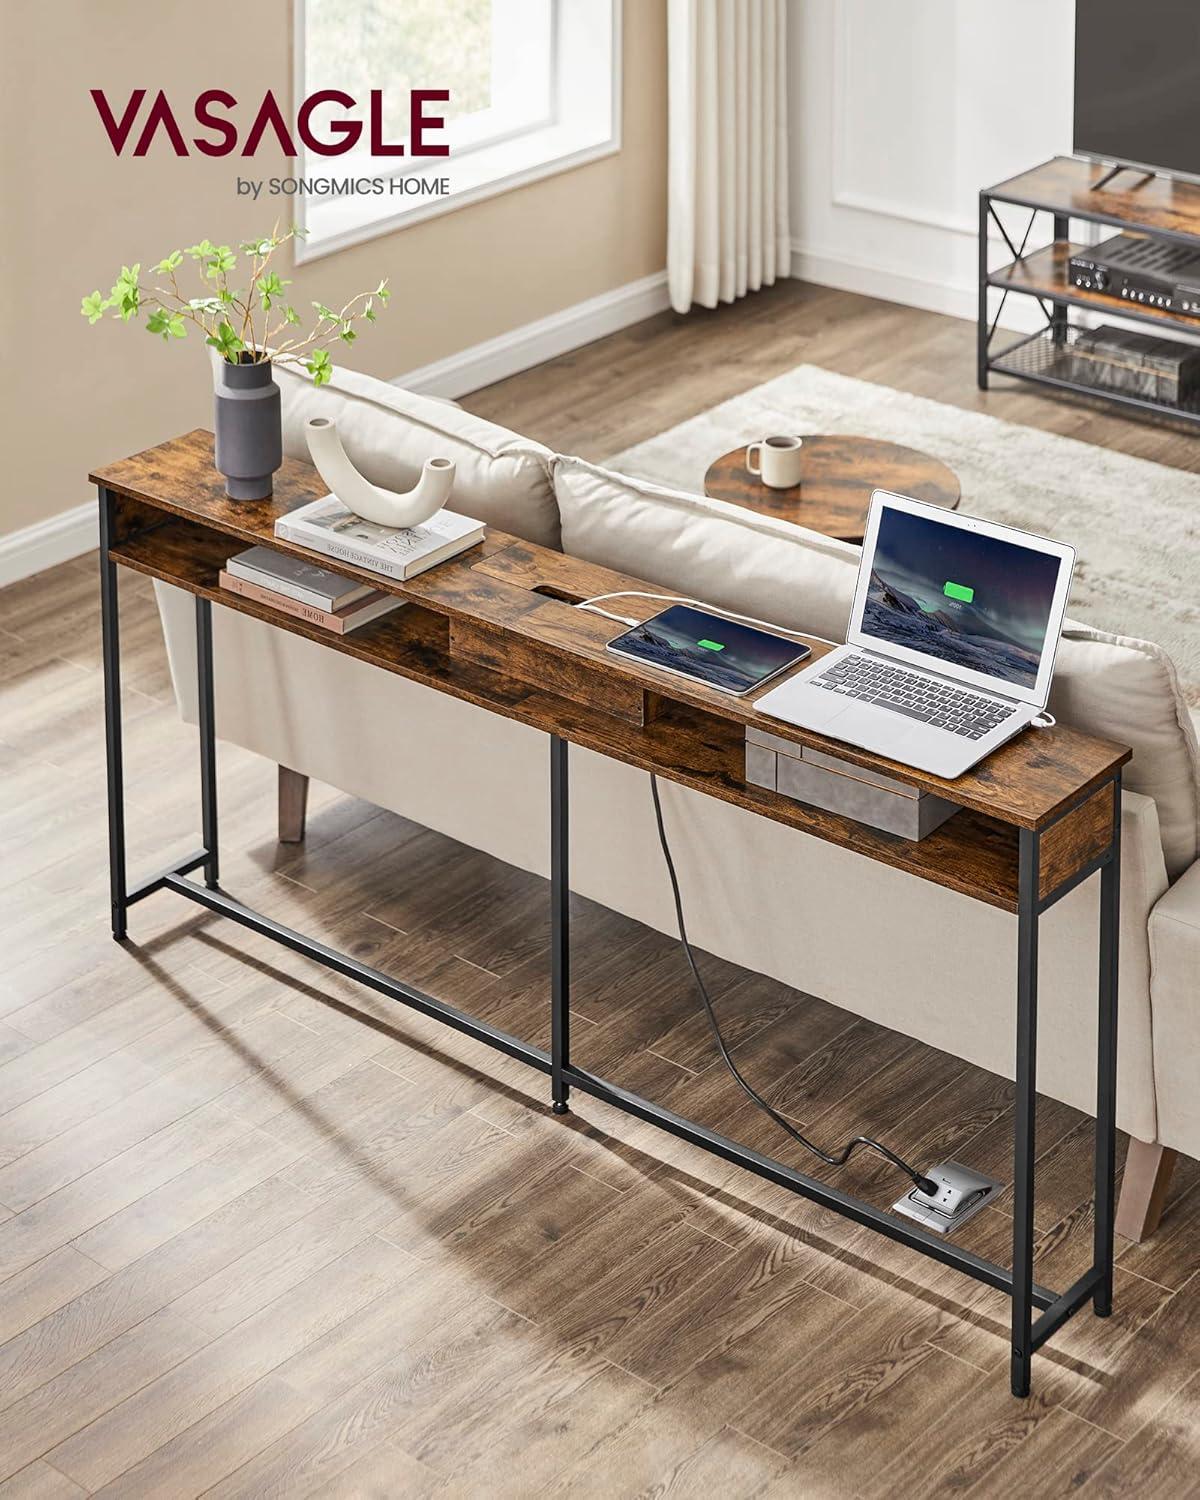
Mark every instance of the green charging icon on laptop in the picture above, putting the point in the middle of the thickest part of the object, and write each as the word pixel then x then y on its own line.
pixel 958 591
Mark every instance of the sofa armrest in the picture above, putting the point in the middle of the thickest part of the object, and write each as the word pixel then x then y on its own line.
pixel 1175 1007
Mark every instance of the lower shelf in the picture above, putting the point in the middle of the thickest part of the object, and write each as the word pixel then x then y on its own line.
pixel 1048 360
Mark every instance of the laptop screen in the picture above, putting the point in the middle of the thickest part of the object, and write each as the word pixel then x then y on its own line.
pixel 962 597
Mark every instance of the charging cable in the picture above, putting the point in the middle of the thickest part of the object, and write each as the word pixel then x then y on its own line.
pixel 727 614
pixel 832 1159
pixel 923 1184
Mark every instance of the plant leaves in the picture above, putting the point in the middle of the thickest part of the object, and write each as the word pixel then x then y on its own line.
pixel 93 307
pixel 320 366
pixel 226 342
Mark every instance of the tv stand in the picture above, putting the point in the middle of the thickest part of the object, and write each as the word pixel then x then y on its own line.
pixel 1069 188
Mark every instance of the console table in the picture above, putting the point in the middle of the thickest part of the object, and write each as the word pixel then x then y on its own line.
pixel 1067 188
pixel 496 627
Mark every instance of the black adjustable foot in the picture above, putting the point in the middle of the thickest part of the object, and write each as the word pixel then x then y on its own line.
pixel 561 1107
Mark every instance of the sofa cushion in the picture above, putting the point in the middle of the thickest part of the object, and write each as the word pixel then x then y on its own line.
pixel 1114 686
pixel 502 479
pixel 719 553
pixel 1126 689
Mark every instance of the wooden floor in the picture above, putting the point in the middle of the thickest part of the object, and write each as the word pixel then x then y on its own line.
pixel 251 1245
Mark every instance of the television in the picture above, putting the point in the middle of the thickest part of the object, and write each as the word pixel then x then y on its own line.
pixel 1137 83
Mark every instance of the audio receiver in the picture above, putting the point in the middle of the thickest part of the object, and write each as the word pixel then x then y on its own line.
pixel 1150 273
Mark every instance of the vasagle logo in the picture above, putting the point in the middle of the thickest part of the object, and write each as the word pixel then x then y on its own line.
pixel 330 136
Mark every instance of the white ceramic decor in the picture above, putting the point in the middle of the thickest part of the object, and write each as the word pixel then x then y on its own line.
pixel 384 507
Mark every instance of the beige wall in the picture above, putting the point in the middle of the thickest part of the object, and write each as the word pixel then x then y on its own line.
pixel 71 212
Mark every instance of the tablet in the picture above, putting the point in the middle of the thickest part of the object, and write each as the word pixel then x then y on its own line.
pixel 708 648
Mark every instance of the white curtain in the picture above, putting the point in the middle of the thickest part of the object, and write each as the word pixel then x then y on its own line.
pixel 728 155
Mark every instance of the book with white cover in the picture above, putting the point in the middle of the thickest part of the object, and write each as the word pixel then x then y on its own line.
pixel 297 578
pixel 327 526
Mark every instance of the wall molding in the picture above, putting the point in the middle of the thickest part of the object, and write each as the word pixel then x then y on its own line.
pixel 843 196
pixel 870 204
pixel 533 343
pixel 58 539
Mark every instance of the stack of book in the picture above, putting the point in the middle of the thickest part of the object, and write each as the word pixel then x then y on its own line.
pixel 312 593
pixel 303 589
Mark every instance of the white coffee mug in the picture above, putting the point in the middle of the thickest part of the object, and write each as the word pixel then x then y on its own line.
pixel 779 460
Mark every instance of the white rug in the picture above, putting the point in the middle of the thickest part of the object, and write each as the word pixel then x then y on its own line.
pixel 1134 524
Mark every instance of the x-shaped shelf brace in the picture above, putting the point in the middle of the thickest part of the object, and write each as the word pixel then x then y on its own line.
pixel 1016 255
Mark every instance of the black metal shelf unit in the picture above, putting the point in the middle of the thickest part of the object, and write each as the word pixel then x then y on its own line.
pixel 1061 189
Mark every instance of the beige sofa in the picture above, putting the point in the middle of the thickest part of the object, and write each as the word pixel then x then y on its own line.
pixel 873 939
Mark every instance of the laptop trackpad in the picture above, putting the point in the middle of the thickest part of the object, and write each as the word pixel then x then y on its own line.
pixel 875 729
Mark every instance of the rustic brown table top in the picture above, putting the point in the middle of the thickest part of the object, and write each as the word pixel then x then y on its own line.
pixel 496 627
pixel 838 473
pixel 1136 199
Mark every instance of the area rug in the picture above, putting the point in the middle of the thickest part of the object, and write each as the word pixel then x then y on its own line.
pixel 1135 525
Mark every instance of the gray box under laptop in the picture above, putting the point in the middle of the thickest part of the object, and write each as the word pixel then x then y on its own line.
pixel 836 786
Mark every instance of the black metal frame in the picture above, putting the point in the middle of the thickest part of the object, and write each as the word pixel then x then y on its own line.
pixel 1028 1333
pixel 1054 306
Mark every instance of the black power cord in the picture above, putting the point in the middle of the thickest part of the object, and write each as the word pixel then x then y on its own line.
pixel 838 1159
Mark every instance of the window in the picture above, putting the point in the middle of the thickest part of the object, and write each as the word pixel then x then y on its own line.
pixel 534 88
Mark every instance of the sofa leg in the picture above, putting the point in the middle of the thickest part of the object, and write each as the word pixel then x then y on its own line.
pixel 293 804
pixel 1144 1188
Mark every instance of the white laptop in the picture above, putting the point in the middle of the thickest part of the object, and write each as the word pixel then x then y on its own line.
pixel 951 644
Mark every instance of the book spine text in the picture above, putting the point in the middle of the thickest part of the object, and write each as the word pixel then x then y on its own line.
pixel 316 541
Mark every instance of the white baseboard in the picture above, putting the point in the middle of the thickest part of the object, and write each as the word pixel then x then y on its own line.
pixel 69 534
pixel 957 300
pixel 870 280
pixel 532 343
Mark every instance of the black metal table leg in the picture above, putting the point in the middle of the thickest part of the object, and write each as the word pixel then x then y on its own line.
pixel 110 632
pixel 560 931
pixel 1059 321
pixel 208 740
pixel 1025 1110
pixel 1106 1066
pixel 981 332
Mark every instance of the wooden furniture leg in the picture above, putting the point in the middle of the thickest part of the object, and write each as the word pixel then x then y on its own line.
pixel 1144 1189
pixel 293 804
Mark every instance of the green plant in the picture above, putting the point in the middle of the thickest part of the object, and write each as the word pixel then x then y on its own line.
pixel 237 321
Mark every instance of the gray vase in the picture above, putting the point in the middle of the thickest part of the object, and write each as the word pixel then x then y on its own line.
pixel 249 445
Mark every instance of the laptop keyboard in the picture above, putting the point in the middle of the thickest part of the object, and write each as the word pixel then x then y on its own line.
pixel 935 703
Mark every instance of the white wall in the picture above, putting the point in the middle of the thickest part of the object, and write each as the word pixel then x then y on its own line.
pixel 901 110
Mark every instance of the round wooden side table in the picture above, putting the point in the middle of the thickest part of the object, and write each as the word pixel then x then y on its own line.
pixel 837 476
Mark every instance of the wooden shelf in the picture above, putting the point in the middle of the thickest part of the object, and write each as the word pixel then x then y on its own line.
pixel 1066 185
pixel 1046 273
pixel 550 670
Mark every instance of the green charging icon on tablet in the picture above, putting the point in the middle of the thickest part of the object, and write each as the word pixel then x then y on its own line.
pixel 711 645
pixel 958 591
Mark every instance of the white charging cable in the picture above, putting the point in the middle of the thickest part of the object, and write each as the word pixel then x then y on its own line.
pixel 728 614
